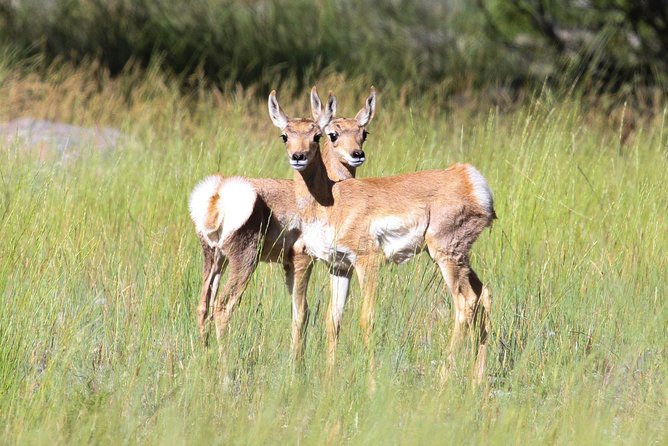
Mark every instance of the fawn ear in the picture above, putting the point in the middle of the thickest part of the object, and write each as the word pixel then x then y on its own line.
pixel 365 115
pixel 278 117
pixel 316 104
pixel 328 113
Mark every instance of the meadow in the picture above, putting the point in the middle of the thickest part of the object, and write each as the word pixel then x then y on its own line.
pixel 100 275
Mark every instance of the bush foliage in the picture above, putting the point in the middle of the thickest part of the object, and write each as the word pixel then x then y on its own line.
pixel 416 43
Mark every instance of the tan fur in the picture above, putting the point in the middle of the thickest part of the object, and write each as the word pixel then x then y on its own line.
pixel 367 219
pixel 212 212
pixel 272 235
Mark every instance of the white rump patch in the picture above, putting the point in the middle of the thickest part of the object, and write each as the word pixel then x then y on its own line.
pixel 481 190
pixel 236 203
pixel 236 200
pixel 199 201
pixel 399 237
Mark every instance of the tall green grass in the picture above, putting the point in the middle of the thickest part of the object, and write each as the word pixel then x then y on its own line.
pixel 100 272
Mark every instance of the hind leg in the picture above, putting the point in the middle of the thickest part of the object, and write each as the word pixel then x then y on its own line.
pixel 242 260
pixel 203 307
pixel 472 302
pixel 484 328
pixel 214 265
pixel 477 307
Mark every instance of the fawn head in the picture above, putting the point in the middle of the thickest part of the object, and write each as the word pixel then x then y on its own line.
pixel 347 135
pixel 300 135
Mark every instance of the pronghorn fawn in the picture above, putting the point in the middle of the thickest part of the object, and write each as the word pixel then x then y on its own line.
pixel 241 221
pixel 357 223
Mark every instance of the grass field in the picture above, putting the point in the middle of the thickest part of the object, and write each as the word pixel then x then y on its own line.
pixel 100 272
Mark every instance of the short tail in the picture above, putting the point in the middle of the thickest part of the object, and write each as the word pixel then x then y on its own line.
pixel 481 192
pixel 219 206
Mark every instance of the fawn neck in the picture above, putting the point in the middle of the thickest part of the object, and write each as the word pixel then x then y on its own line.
pixel 336 170
pixel 313 185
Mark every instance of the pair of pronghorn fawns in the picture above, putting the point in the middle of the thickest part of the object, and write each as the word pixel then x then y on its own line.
pixel 353 225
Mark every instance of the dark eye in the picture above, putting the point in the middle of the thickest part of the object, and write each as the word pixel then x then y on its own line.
pixel 333 137
pixel 316 138
pixel 285 138
pixel 364 135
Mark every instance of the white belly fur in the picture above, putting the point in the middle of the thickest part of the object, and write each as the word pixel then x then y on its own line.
pixel 399 238
pixel 320 241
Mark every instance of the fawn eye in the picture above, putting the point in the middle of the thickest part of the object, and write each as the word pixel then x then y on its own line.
pixel 317 137
pixel 285 138
pixel 364 135
pixel 333 137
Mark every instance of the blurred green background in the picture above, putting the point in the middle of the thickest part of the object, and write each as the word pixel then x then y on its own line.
pixel 453 45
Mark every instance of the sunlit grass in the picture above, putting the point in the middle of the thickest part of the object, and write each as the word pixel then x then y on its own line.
pixel 100 272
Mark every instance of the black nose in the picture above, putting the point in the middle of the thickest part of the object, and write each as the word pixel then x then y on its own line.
pixel 358 154
pixel 298 156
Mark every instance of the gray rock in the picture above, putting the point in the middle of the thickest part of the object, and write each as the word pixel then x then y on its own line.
pixel 65 139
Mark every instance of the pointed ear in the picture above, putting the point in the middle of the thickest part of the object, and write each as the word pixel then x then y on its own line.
pixel 316 104
pixel 278 117
pixel 328 113
pixel 365 115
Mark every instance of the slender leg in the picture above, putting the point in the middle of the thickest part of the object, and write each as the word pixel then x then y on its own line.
pixel 340 283
pixel 484 328
pixel 297 274
pixel 214 290
pixel 472 302
pixel 367 273
pixel 203 307
pixel 214 264
pixel 207 254
pixel 240 272
pixel 477 309
pixel 450 273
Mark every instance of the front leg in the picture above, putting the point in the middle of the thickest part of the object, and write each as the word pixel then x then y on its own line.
pixel 340 283
pixel 367 274
pixel 297 275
